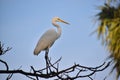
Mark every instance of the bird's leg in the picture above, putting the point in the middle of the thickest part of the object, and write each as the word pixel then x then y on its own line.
pixel 46 59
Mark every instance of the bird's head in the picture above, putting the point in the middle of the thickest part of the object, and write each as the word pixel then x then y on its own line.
pixel 57 19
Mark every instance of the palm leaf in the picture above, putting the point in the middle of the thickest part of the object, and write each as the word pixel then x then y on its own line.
pixel 109 31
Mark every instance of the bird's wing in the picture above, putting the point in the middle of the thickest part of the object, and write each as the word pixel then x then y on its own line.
pixel 46 41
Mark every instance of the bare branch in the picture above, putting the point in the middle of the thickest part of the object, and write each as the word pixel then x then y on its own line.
pixel 52 69
pixel 9 76
pixel 62 74
pixel 6 65
pixel 2 50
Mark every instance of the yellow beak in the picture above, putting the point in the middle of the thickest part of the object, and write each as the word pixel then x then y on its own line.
pixel 64 21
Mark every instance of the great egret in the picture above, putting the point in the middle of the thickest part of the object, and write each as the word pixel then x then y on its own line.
pixel 49 37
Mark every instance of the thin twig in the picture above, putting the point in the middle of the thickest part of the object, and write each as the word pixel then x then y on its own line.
pixel 6 65
pixel 9 76
pixel 2 50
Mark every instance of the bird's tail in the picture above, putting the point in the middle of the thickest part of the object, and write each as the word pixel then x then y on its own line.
pixel 36 52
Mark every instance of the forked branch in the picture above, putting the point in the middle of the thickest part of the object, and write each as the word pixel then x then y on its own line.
pixel 59 74
pixel 52 70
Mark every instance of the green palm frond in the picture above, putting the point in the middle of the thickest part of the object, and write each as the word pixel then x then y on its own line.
pixel 109 31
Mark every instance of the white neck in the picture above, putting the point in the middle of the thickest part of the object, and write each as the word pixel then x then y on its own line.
pixel 59 30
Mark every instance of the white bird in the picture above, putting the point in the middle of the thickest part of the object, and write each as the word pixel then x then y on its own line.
pixel 49 37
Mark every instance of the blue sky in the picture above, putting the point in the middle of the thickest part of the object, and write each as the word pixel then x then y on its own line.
pixel 22 22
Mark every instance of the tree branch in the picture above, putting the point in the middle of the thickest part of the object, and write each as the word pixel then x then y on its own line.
pixel 62 74
pixel 2 50
pixel 52 70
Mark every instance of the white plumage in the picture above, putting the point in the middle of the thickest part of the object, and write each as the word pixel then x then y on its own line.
pixel 49 37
